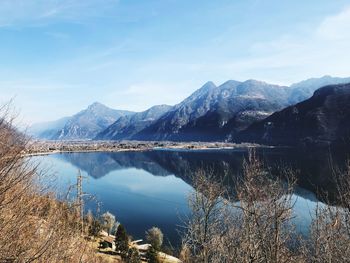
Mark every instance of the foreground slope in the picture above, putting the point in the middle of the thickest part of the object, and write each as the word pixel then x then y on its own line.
pixel 322 119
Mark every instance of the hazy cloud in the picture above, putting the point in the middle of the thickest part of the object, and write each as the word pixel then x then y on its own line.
pixel 336 27
pixel 29 12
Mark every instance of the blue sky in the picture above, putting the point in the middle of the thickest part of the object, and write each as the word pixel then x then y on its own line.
pixel 58 56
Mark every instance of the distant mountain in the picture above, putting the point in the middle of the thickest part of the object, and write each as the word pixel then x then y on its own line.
pixel 211 112
pixel 83 125
pixel 321 120
pixel 47 130
pixel 127 126
pixel 89 122
pixel 304 89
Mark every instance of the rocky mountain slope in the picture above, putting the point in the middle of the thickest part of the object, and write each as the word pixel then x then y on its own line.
pixel 212 113
pixel 88 123
pixel 83 125
pixel 208 112
pixel 127 126
pixel 305 89
pixel 321 120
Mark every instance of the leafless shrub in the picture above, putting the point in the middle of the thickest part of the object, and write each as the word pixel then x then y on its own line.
pixel 155 237
pixel 330 230
pixel 34 227
pixel 263 229
pixel 250 224
pixel 205 220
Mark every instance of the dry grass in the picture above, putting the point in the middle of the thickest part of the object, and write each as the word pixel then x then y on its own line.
pixel 35 227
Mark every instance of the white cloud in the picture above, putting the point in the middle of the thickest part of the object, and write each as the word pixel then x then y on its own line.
pixel 291 58
pixel 58 35
pixel 336 27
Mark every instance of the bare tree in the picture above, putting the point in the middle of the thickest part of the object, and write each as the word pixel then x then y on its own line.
pixel 330 230
pixel 108 220
pixel 205 220
pixel 155 237
pixel 250 224
pixel 263 230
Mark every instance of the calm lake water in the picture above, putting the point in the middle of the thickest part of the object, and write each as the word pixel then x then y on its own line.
pixel 145 189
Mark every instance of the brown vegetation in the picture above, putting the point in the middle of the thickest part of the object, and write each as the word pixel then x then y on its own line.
pixel 254 222
pixel 35 227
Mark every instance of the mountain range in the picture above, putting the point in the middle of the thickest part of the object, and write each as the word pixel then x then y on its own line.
pixel 129 125
pixel 212 113
pixel 323 119
pixel 86 124
pixel 206 114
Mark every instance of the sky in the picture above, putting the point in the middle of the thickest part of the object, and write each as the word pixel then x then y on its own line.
pixel 59 56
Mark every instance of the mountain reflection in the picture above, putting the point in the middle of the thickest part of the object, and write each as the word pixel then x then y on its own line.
pixel 313 169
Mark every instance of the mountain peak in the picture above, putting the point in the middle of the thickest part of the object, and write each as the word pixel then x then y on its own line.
pixel 327 77
pixel 208 85
pixel 229 84
pixel 254 82
pixel 96 105
pixel 160 106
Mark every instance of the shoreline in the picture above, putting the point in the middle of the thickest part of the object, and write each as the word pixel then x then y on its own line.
pixel 39 148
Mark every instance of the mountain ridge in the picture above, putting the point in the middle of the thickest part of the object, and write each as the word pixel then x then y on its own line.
pixel 210 113
pixel 82 125
pixel 127 126
pixel 203 114
pixel 323 119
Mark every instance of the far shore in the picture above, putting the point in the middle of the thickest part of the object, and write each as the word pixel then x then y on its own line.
pixel 38 147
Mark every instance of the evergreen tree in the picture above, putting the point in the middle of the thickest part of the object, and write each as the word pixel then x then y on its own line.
pixel 152 255
pixel 122 241
pixel 133 256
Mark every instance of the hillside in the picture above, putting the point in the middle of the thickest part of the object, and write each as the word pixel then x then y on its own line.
pixel 129 125
pixel 84 125
pixel 322 119
pixel 211 113
pixel 206 114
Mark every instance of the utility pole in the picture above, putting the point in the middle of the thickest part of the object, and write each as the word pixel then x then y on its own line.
pixel 80 200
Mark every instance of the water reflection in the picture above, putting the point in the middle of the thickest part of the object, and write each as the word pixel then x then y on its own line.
pixel 150 188
pixel 313 169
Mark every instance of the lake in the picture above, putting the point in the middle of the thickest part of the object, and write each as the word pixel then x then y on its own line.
pixel 151 188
